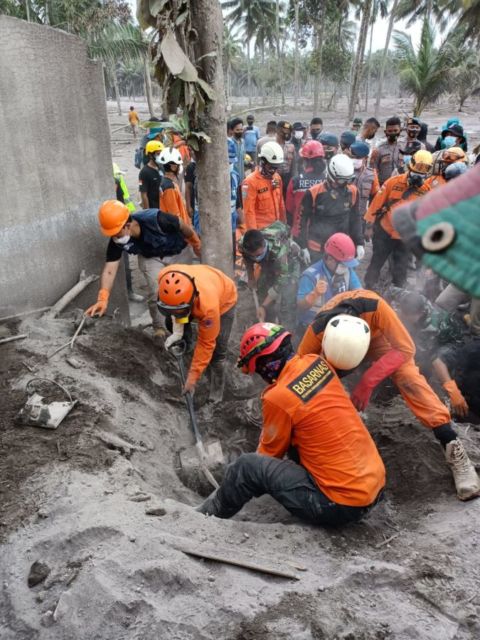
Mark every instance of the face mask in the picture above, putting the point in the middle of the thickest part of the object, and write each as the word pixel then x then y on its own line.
pixel 449 141
pixel 406 160
pixel 415 179
pixel 238 135
pixel 315 134
pixel 392 137
pixel 122 241
pixel 267 170
pixel 298 135
pixel 357 163
pixel 412 133
pixel 329 154
pixel 157 160
pixel 261 256
pixel 341 269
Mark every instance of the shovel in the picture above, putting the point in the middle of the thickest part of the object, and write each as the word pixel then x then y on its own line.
pixel 202 456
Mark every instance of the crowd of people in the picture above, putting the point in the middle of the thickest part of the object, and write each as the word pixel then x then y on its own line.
pixel 305 203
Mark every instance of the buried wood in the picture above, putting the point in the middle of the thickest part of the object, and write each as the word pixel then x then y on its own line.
pixel 24 313
pixel 238 562
pixel 71 294
pixel 21 336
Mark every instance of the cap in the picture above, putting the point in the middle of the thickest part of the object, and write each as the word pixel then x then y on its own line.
pixel 298 126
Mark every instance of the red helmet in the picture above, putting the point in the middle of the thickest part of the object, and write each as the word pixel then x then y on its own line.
pixel 312 149
pixel 260 340
pixel 341 247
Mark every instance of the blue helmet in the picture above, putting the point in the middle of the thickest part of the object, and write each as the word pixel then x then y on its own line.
pixel 328 139
pixel 347 138
pixel 455 169
pixel 232 151
pixel 359 149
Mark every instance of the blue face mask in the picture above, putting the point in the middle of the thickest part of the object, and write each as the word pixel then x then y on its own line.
pixel 261 256
pixel 449 141
pixel 406 160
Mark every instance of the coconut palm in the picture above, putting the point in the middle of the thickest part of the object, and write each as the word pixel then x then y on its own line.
pixel 427 71
pixel 248 16
pixel 379 9
pixel 422 10
pixel 393 17
pixel 231 55
pixel 466 77
pixel 358 64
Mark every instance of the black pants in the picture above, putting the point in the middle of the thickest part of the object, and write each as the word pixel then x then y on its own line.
pixel 383 247
pixel 226 321
pixel 253 475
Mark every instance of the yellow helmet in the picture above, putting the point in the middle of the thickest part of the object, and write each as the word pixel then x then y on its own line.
pixel 153 146
pixel 421 162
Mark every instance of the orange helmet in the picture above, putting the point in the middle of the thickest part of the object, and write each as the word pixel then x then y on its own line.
pixel 176 293
pixel 453 154
pixel 112 216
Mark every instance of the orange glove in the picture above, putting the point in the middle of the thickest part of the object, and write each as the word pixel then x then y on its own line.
pixel 320 288
pixel 458 402
pixel 99 308
pixel 196 244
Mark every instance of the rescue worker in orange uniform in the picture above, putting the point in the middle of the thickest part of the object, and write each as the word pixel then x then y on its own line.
pixel 340 474
pixel 392 354
pixel 394 192
pixel 200 293
pixel 171 199
pixel 262 194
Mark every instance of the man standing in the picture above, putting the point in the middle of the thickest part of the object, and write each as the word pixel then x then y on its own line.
pixel 356 125
pixel 386 158
pixel 369 130
pixel 236 126
pixel 150 178
pixel 316 127
pixel 251 135
pixel 287 168
pixel 133 120
pixel 340 475
pixel 298 139
pixel 413 128
pixel 330 207
pixel 202 294
pixel 171 199
pixel 330 144
pixel 151 235
pixel 366 179
pixel 386 240
pixel 314 165
pixel 391 354
pixel 270 134
pixel 262 195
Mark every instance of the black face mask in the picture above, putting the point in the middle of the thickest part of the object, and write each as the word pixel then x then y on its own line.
pixel 392 137
pixel 238 136
pixel 416 179
pixel 315 134
pixel 329 154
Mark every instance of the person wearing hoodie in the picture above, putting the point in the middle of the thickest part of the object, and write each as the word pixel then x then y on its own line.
pixel 451 129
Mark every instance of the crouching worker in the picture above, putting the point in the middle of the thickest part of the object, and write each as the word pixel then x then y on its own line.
pixel 391 354
pixel 200 293
pixel 150 234
pixel 340 475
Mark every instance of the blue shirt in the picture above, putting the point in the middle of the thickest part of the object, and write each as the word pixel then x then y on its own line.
pixel 240 163
pixel 335 284
pixel 251 136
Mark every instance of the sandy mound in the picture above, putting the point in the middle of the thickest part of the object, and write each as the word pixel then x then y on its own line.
pixel 76 501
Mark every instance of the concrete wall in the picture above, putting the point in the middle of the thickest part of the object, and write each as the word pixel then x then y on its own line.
pixel 55 166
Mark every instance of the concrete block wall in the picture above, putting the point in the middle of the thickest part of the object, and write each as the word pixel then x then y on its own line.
pixel 55 166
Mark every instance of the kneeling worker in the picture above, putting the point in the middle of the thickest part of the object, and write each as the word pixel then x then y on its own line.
pixel 340 474
pixel 391 354
pixel 204 294
pixel 150 234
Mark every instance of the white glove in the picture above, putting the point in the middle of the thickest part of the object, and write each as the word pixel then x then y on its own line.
pixel 360 251
pixel 305 257
pixel 176 336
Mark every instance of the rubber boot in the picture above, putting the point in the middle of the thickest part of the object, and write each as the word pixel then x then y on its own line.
pixel 217 382
pixel 210 506
pixel 465 476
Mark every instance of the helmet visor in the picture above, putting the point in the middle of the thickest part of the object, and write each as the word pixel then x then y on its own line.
pixel 177 311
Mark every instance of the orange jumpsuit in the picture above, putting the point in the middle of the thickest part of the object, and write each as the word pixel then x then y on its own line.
pixel 387 333
pixel 217 294
pixel 309 408
pixel 394 192
pixel 171 201
pixel 262 200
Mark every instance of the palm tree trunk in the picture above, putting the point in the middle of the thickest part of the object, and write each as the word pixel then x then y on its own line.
pixel 357 71
pixel 384 57
pixel 213 186
pixel 369 76
pixel 297 61
pixel 319 35
pixel 279 54
pixel 249 74
pixel 148 86
pixel 27 9
pixel 114 78
pixel 264 89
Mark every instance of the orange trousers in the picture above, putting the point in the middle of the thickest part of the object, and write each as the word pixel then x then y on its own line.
pixel 421 399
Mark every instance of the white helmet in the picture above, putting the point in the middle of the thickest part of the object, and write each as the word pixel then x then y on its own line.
pixel 341 168
pixel 272 152
pixel 170 154
pixel 345 341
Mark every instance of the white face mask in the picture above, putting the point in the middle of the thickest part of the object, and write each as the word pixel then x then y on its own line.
pixel 157 160
pixel 341 270
pixel 357 163
pixel 122 241
pixel 298 135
